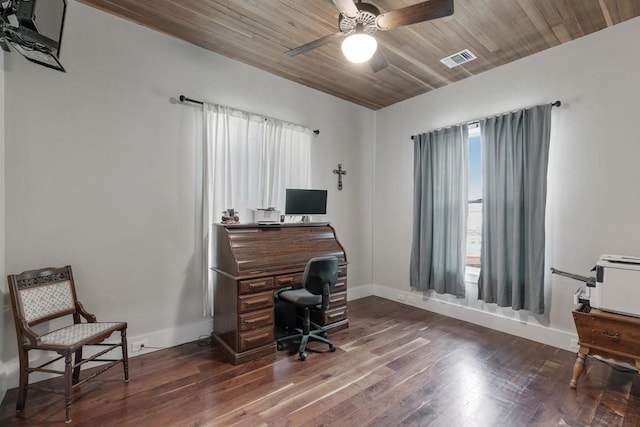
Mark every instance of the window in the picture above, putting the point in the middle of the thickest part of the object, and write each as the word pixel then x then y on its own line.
pixel 474 211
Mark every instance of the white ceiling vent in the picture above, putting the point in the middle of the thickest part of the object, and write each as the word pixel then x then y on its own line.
pixel 459 58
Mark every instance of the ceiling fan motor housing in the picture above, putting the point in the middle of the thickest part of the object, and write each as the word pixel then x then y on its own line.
pixel 364 22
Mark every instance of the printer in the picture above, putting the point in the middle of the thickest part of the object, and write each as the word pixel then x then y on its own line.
pixel 617 285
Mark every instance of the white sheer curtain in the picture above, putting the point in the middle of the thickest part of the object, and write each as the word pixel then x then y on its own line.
pixel 248 162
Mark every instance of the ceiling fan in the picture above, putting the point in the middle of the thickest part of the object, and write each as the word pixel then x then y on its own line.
pixel 358 21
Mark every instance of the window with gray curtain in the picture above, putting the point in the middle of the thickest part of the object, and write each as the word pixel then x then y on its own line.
pixel 439 211
pixel 514 185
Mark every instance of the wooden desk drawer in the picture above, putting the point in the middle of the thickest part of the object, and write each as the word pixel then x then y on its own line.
pixel 342 271
pixel 338 299
pixel 252 302
pixel 255 285
pixel 608 332
pixel 254 339
pixel 329 316
pixel 339 286
pixel 255 320
pixel 288 280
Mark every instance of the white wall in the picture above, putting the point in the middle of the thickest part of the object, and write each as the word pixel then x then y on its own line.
pixel 593 202
pixel 103 169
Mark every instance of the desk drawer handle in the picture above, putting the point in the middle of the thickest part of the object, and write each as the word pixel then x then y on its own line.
pixel 613 336
pixel 256 302
pixel 257 285
pixel 252 322
pixel 257 338
pixel 332 315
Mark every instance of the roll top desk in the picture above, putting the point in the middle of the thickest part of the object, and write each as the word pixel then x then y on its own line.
pixel 251 262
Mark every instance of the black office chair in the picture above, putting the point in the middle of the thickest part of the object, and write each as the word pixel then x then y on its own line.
pixel 319 275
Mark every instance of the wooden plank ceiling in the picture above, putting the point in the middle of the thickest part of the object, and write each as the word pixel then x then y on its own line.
pixel 258 32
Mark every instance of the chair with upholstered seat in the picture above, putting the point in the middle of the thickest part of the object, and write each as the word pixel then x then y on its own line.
pixel 319 276
pixel 42 295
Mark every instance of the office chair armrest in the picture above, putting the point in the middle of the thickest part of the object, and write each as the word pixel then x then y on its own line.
pixel 91 318
pixel 325 296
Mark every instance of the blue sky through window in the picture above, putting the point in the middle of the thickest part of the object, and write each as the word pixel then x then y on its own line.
pixel 475 167
pixel 474 213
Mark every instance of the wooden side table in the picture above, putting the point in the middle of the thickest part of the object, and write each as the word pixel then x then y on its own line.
pixel 607 334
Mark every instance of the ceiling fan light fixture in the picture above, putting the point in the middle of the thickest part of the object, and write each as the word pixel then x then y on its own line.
pixel 359 47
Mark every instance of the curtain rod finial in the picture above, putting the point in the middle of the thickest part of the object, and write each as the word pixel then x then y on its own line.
pixel 556 103
pixel 316 132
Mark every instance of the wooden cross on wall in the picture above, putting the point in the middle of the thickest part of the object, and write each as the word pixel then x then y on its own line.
pixel 339 172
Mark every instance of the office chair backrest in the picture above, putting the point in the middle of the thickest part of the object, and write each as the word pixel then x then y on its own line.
pixel 319 275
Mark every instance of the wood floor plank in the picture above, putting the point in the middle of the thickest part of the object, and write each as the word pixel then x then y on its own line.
pixel 394 366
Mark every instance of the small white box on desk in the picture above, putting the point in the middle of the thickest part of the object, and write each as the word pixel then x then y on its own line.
pixel 260 215
pixel 617 285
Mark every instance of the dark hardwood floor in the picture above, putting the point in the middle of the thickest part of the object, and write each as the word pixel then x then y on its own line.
pixel 395 366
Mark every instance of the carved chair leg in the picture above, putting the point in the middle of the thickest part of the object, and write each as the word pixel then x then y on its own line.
pixel 24 380
pixel 125 355
pixel 68 372
pixel 76 369
pixel 578 367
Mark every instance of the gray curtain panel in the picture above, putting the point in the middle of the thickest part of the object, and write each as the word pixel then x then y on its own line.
pixel 515 155
pixel 440 211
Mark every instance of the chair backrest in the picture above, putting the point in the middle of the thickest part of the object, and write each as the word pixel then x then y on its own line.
pixel 41 295
pixel 319 275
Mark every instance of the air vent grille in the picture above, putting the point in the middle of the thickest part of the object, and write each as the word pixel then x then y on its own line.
pixel 458 58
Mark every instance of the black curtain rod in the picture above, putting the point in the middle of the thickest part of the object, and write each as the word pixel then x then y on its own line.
pixel 193 101
pixel 553 104
pixel 183 98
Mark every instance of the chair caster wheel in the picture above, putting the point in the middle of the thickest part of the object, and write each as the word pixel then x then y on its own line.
pixel 332 348
pixel 303 356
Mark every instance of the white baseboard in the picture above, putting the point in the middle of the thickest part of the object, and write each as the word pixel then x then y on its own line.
pixel 153 341
pixel 359 292
pixel 531 331
pixel 170 337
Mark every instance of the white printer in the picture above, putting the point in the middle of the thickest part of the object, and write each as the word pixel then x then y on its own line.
pixel 617 287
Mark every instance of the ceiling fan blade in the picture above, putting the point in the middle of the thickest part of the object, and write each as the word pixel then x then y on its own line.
pixel 378 61
pixel 346 7
pixel 420 12
pixel 314 44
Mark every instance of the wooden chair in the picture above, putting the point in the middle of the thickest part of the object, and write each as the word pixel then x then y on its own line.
pixel 41 295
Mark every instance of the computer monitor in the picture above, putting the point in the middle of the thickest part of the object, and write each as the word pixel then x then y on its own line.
pixel 305 202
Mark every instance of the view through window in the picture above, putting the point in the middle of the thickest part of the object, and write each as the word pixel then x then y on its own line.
pixel 474 213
